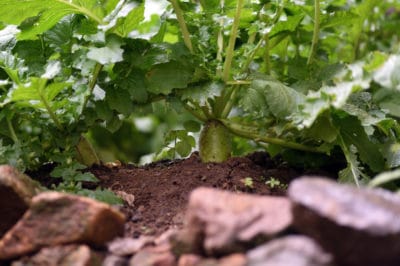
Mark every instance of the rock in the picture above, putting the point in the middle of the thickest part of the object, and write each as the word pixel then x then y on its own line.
pixel 77 255
pixel 189 260
pixel 153 256
pixel 290 250
pixel 113 260
pixel 195 260
pixel 219 222
pixel 358 226
pixel 129 246
pixel 57 218
pixel 233 260
pixel 16 192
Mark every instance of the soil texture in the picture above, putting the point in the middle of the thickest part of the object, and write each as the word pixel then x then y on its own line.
pixel 161 189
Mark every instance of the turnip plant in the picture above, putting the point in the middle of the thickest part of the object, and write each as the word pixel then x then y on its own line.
pixel 313 76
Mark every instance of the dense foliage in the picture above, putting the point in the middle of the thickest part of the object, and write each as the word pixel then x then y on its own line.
pixel 320 77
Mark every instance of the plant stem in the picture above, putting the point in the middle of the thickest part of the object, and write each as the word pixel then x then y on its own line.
pixel 86 153
pixel 43 99
pixel 315 38
pixel 267 61
pixel 220 42
pixel 250 132
pixel 231 43
pixel 12 131
pixel 92 83
pixel 182 25
pixel 195 112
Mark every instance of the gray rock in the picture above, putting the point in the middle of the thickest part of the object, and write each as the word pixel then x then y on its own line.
pixel 219 222
pixel 57 218
pixel 16 192
pixel 358 226
pixel 77 255
pixel 290 250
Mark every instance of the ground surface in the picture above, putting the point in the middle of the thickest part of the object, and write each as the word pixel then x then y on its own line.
pixel 161 189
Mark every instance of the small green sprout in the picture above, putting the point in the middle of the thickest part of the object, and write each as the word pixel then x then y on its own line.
pixel 275 183
pixel 248 182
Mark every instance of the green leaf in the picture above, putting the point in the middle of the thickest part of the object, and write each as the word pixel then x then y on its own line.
pixel 282 100
pixel 289 25
pixel 163 78
pixel 201 93
pixel 47 15
pixel 388 75
pixel 131 21
pixel 103 195
pixel 112 53
pixel 354 134
pixel 192 126
pixel 119 100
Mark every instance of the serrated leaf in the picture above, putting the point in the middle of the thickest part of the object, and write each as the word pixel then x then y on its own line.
pixel 354 134
pixel 201 93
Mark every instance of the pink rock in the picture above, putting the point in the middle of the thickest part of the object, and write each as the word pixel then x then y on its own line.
pixel 57 218
pixel 220 222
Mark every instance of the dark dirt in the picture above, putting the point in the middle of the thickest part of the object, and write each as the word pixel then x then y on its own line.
pixel 161 189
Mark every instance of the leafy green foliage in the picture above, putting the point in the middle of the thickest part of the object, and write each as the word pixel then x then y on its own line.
pixel 314 78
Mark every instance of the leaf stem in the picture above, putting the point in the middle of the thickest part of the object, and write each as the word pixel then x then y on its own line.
pixel 250 132
pixel 315 38
pixel 12 131
pixel 92 83
pixel 43 99
pixel 82 10
pixel 182 24
pixel 231 43
pixel 195 112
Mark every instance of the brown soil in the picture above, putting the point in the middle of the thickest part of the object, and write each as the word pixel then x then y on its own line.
pixel 161 189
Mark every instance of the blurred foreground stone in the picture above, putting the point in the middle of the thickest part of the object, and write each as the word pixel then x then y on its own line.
pixel 358 226
pixel 76 255
pixel 57 218
pixel 219 222
pixel 16 192
pixel 290 250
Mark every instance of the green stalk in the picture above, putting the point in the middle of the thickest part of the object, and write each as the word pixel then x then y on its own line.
pixel 267 61
pixel 231 43
pixel 86 153
pixel 220 42
pixel 43 99
pixel 92 83
pixel 198 113
pixel 250 132
pixel 12 131
pixel 315 38
pixel 182 25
